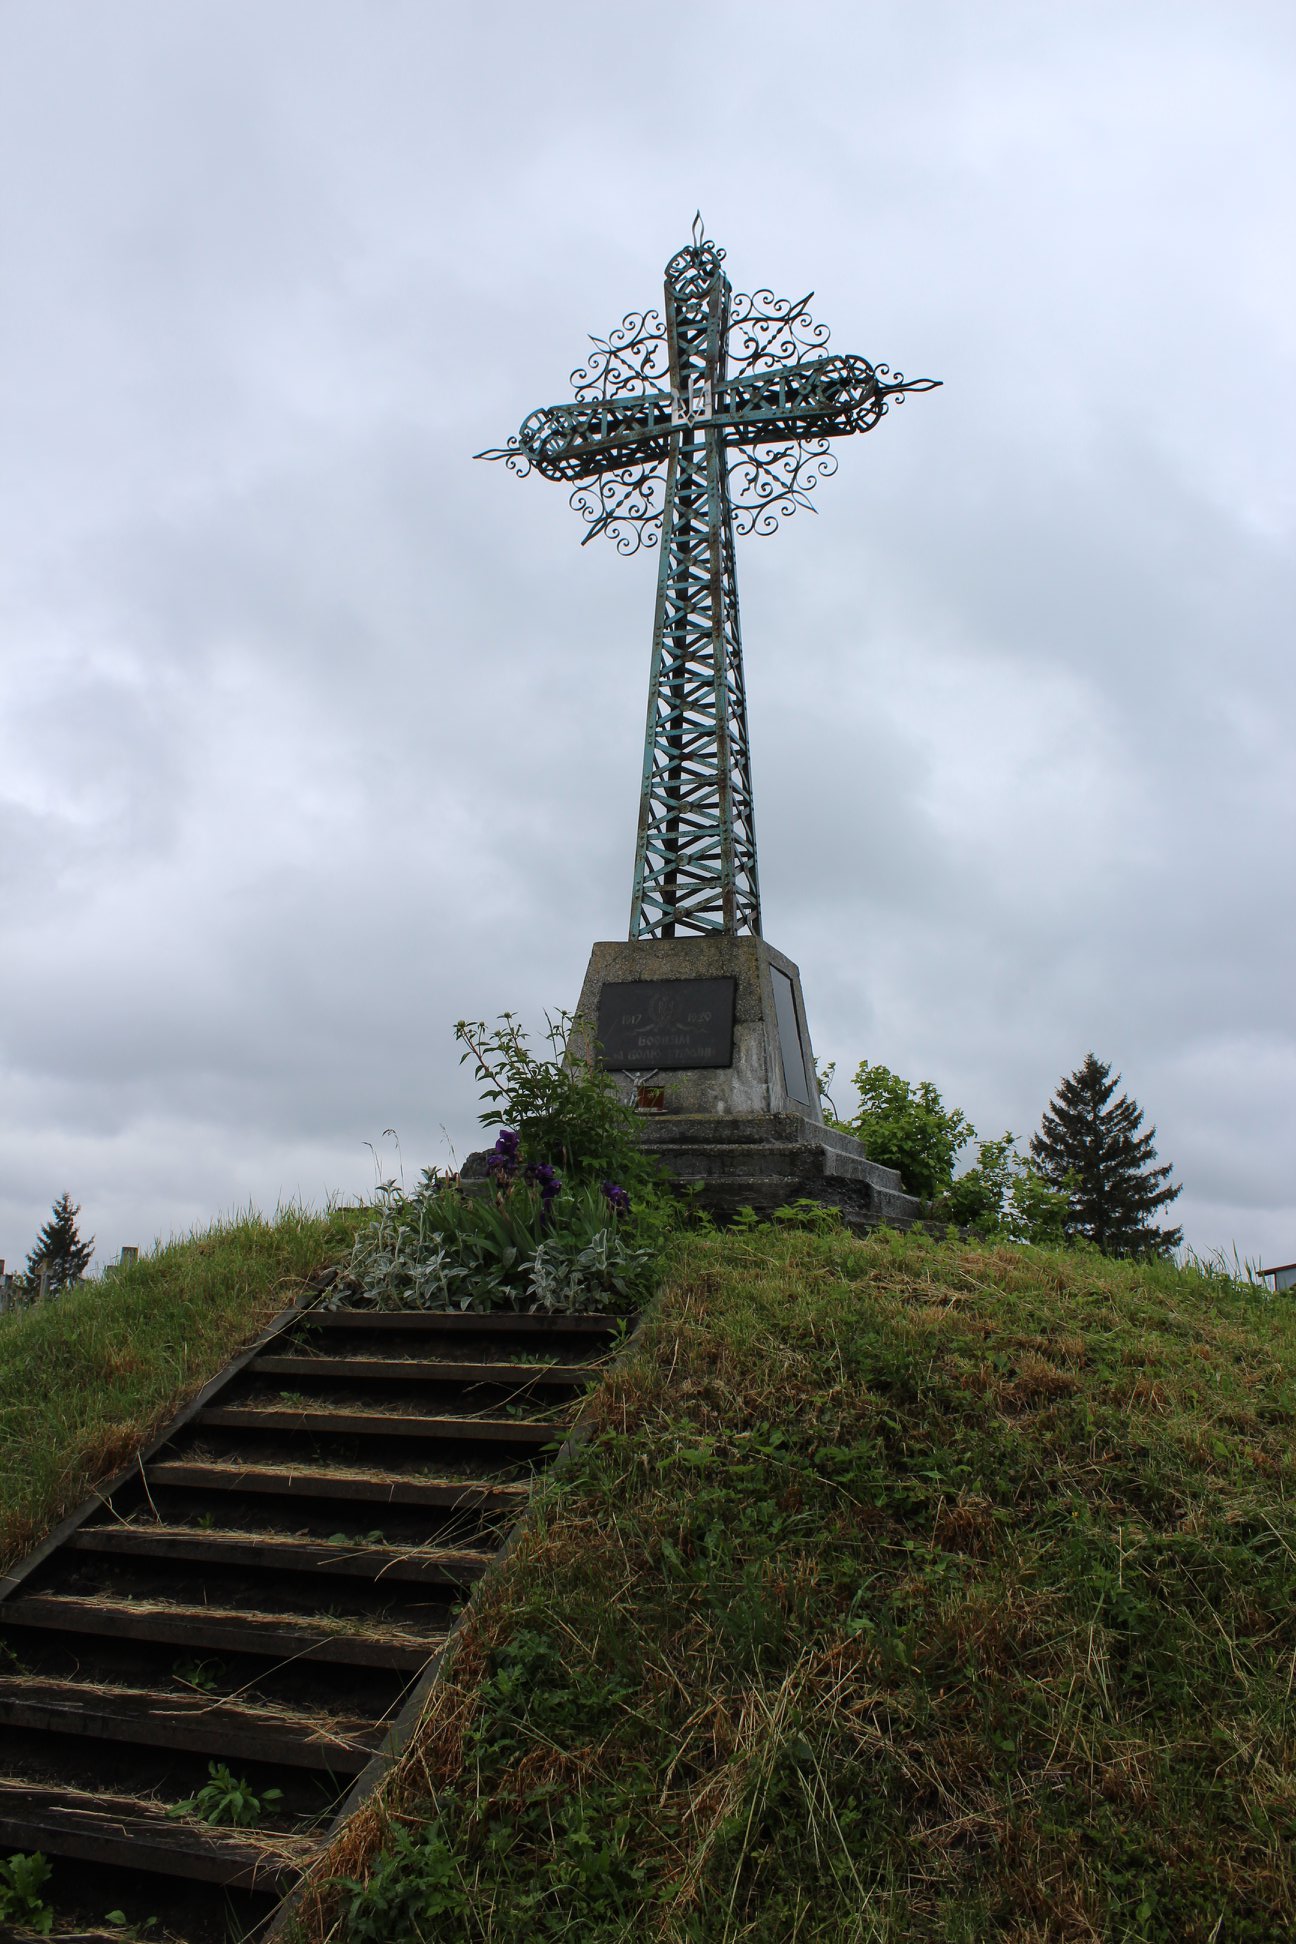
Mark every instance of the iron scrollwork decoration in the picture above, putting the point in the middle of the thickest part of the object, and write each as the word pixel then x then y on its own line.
pixel 709 418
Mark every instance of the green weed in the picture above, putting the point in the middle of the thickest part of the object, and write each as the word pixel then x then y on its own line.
pixel 566 1112
pixel 138 1933
pixel 204 1676
pixel 22 1878
pixel 226 1798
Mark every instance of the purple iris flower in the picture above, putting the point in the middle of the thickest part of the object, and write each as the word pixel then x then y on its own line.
pixel 618 1198
pixel 505 1155
pixel 545 1178
pixel 548 1181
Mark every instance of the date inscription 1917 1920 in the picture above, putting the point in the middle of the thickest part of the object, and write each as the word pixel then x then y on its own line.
pixel 644 1024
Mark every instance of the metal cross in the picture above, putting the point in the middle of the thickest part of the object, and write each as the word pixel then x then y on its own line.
pixel 719 394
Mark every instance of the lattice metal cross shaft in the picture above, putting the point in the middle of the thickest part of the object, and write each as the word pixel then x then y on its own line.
pixel 741 446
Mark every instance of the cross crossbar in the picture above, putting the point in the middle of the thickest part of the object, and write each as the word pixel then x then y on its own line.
pixel 824 398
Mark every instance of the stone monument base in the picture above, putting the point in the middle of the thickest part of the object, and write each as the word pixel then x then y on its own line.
pixel 708 1038
pixel 765 1161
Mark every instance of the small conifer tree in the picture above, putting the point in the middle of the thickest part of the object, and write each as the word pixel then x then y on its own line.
pixel 1092 1147
pixel 59 1252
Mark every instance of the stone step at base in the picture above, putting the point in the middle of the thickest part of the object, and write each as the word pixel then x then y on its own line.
pixel 765 1161
pixel 803 1162
pixel 725 1198
pixel 749 1130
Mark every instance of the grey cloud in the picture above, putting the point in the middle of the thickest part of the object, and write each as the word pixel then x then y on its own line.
pixel 318 736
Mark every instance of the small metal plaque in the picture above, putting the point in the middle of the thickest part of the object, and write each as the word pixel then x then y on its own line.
pixel 647 1024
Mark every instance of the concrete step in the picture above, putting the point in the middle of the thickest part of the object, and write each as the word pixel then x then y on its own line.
pixel 861 1208
pixel 764 1161
pixel 802 1162
pixel 675 1132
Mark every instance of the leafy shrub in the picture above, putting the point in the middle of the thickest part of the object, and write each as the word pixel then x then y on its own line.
pixel 1003 1196
pixel 908 1127
pixel 567 1116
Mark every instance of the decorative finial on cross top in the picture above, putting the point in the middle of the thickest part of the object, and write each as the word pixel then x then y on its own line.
pixel 735 400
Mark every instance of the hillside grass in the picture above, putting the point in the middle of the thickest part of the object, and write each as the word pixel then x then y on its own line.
pixel 88 1377
pixel 906 1590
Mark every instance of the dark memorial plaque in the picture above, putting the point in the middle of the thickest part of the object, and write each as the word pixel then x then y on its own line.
pixel 794 1066
pixel 646 1024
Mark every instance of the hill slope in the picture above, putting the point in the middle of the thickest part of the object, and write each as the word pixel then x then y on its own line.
pixel 907 1590
pixel 88 1378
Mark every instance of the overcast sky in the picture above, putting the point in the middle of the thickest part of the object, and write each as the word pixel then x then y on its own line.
pixel 315 736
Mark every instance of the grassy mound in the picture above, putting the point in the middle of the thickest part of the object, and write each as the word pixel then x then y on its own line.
pixel 907 1590
pixel 88 1378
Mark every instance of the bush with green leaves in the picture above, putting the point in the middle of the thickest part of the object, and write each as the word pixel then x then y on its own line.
pixel 908 1127
pixel 22 1878
pixel 570 1218
pixel 1002 1197
pixel 568 1115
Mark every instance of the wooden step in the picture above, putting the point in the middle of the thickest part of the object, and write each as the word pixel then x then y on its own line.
pixel 274 1636
pixel 423 1370
pixel 501 1323
pixel 78 1937
pixel 429 1565
pixel 521 1433
pixel 199 1723
pixel 140 1834
pixel 301 1481
pixel 75 1937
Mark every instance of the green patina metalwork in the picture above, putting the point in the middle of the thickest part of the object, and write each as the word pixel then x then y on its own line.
pixel 719 392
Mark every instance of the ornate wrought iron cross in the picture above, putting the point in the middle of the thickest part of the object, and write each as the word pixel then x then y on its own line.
pixel 719 393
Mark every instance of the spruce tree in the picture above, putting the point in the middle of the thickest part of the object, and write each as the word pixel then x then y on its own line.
pixel 1094 1150
pixel 59 1250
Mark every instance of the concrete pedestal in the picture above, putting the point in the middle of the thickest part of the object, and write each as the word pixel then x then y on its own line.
pixel 771 1067
pixel 748 1133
